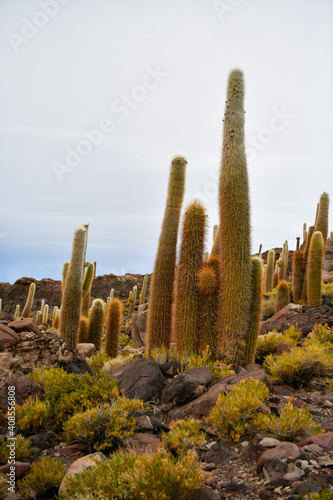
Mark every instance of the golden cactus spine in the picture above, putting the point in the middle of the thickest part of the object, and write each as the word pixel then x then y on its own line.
pixel 113 323
pixel 30 299
pixel 234 229
pixel 71 302
pixel 190 262
pixel 162 281
pixel 208 285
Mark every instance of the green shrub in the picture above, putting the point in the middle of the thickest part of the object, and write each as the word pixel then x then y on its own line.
pixel 217 368
pixel 293 423
pixel 132 477
pixel 183 435
pixel 325 494
pixel 123 339
pixel 111 365
pixel 23 449
pixel 3 487
pixel 298 367
pixel 68 394
pixel 106 425
pixel 98 360
pixel 233 415
pixel 162 354
pixel 268 343
pixel 327 290
pixel 44 478
pixel 322 333
pixel 32 415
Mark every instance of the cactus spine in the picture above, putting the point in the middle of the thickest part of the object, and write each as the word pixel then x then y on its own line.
pixel 269 276
pixel 161 289
pixel 257 286
pixel 322 216
pixel 28 305
pixel 71 302
pixel 315 264
pixel 113 322
pixel 45 317
pixel 190 262
pixel 282 295
pixel 234 228
pixel 86 289
pixel 83 336
pixel 298 271
pixel 143 290
pixel 96 319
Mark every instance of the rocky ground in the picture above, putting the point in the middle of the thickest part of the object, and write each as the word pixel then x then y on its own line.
pixel 260 467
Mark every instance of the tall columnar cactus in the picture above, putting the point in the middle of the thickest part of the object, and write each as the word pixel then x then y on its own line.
pixel 282 295
pixel 269 276
pixel 83 336
pixel 256 297
pixel 298 271
pixel 96 320
pixel 161 288
pixel 45 317
pixel 297 242
pixel 322 216
pixel 65 269
pixel 285 257
pixel 314 268
pixel 86 289
pixel 71 302
pixel 143 290
pixel 234 228
pixel 216 244
pixel 113 322
pixel 30 299
pixel 306 253
pixel 190 262
pixel 208 296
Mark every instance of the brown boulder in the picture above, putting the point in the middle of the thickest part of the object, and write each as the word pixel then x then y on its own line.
pixel 323 440
pixel 21 469
pixel 283 450
pixel 8 337
pixel 24 388
pixel 143 442
pixel 24 325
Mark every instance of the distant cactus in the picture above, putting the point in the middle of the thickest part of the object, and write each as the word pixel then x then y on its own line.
pixel 113 322
pixel 298 271
pixel 322 216
pixel 331 235
pixel 206 257
pixel 57 319
pixel 17 312
pixel 96 320
pixel 190 262
pixel 54 316
pixel 305 233
pixel 42 305
pixel 39 317
pixel 285 257
pixel 65 269
pixel 86 289
pixel 269 275
pixel 282 295
pixel 83 336
pixel 234 228
pixel 28 305
pixel 257 287
pixel 131 302
pixel 208 295
pixel 71 302
pixel 162 282
pixel 260 249
pixel 45 317
pixel 143 290
pixel 281 273
pixel 314 269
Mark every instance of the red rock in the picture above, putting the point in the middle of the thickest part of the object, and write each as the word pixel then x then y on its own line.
pixel 8 337
pixel 143 442
pixel 72 448
pixel 24 325
pixel 21 469
pixel 283 450
pixel 323 440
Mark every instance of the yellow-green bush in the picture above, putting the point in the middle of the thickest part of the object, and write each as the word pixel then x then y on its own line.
pixel 183 435
pixel 98 360
pixel 124 339
pixel 268 306
pixel 44 478
pixel 112 364
pixel 68 394
pixel 327 290
pixel 23 449
pixel 32 415
pixel 298 367
pixel 322 333
pixel 293 423
pixel 268 343
pixel 106 425
pixel 326 494
pixel 234 413
pixel 162 354
pixel 218 368
pixel 132 477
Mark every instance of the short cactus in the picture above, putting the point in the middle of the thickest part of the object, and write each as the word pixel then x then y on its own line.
pixel 45 317
pixel 83 336
pixel 208 295
pixel 96 320
pixel 17 312
pixel 282 295
pixel 143 290
pixel 113 322
pixel 298 271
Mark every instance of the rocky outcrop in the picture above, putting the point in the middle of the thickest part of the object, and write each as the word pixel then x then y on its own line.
pixel 305 320
pixel 50 290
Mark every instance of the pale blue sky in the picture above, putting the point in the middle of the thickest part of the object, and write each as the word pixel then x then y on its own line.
pixel 152 75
